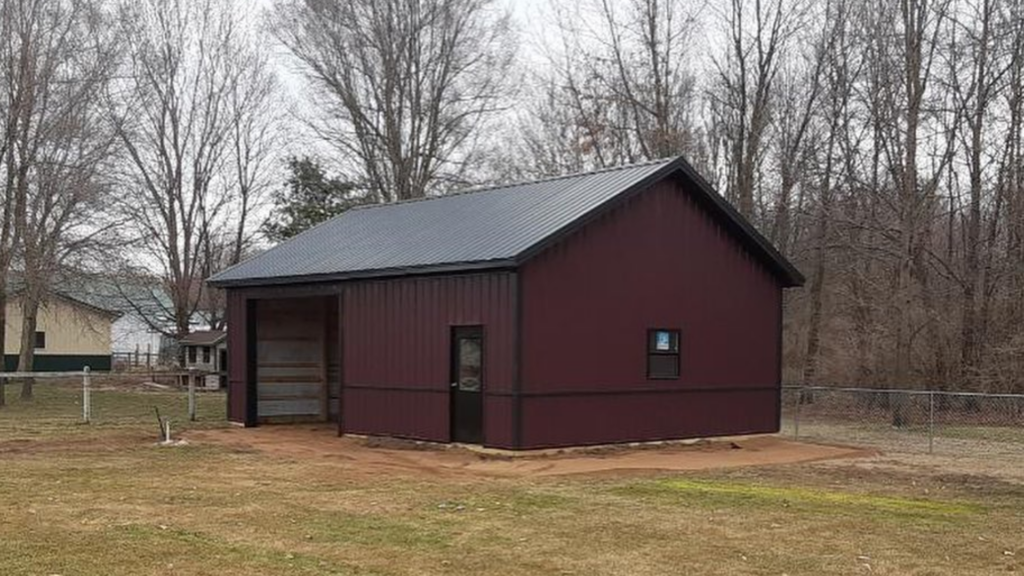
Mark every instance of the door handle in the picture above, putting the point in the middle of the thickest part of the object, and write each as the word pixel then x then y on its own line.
pixel 455 384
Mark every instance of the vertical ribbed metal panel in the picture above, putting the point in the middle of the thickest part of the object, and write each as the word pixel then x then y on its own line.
pixel 397 337
pixel 660 260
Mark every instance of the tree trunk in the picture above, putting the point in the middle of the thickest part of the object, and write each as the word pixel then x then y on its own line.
pixel 940 366
pixel 781 227
pixel 3 334
pixel 810 369
pixel 906 178
pixel 26 357
pixel 969 354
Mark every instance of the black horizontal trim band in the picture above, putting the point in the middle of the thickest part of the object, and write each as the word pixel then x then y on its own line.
pixel 646 390
pixel 565 393
pixel 395 388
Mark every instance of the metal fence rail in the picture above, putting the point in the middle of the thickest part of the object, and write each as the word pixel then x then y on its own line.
pixel 121 361
pixel 907 420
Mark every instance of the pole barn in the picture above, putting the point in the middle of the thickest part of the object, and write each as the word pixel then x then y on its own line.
pixel 626 304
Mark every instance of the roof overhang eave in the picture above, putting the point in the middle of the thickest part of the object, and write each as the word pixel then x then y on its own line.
pixel 397 272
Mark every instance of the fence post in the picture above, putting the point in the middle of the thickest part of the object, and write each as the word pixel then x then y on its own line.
pixel 191 394
pixel 796 415
pixel 931 420
pixel 86 396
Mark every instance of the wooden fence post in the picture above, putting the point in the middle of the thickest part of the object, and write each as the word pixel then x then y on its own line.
pixel 191 394
pixel 931 421
pixel 796 415
pixel 86 396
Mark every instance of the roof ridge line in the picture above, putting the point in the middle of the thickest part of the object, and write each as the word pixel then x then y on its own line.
pixel 517 184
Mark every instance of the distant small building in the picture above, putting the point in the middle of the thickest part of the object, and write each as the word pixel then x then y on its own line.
pixel 70 334
pixel 206 351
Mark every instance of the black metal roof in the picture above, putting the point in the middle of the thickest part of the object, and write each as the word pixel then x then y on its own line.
pixel 497 227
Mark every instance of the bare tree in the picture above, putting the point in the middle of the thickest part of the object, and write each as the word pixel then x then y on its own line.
pixel 758 36
pixel 190 116
pixel 797 103
pixel 620 87
pixel 256 132
pixel 10 117
pixel 878 144
pixel 1011 170
pixel 55 58
pixel 837 68
pixel 975 43
pixel 915 33
pixel 405 85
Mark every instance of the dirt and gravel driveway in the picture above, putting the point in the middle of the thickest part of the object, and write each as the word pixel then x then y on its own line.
pixel 374 456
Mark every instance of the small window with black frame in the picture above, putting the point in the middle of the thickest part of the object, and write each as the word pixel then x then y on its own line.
pixel 191 354
pixel 662 354
pixel 40 340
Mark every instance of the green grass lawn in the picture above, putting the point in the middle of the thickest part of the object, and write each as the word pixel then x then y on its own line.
pixel 103 499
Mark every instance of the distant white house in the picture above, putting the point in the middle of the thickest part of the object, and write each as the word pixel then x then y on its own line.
pixel 131 334
pixel 139 333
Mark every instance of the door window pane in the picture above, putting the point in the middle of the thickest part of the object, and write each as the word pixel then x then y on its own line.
pixel 470 365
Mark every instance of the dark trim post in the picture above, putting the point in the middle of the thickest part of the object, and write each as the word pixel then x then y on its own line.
pixel 778 360
pixel 251 405
pixel 517 366
pixel 341 361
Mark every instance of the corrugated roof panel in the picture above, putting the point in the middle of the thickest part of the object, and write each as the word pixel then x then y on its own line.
pixel 488 225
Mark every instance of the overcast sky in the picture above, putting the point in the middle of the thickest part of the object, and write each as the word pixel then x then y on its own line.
pixel 533 22
pixel 537 34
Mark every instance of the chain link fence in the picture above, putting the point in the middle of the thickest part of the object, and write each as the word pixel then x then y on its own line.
pixel 951 423
pixel 935 422
pixel 62 400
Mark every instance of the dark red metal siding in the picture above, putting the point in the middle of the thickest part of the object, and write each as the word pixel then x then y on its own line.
pixel 606 419
pixel 658 261
pixel 237 355
pixel 397 336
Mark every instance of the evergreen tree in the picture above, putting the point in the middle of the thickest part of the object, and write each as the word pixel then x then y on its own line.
pixel 308 198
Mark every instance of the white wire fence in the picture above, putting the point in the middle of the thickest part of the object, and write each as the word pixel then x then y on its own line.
pixel 931 421
pixel 36 400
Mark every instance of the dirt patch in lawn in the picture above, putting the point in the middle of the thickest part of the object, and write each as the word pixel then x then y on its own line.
pixel 376 456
